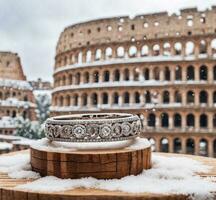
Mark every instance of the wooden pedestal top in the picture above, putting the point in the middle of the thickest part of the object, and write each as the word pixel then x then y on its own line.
pixel 8 192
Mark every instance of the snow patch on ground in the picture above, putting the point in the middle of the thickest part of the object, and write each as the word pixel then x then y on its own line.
pixel 173 175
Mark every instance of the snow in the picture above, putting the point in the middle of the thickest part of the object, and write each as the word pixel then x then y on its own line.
pixel 125 60
pixel 5 146
pixel 42 92
pixel 169 175
pixel 7 122
pixel 14 102
pixel 189 48
pixel 24 85
pixel 134 144
pixel 213 44
pixel 17 166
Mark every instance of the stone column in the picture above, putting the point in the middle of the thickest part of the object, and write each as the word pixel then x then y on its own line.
pixel 210 74
pixel 196 146
pixel 170 121
pixel 184 74
pixel 210 98
pixel 184 98
pixel 161 74
pixel 151 73
pixel 209 48
pixel 183 145
pixel 172 74
pixel 196 68
pixel 197 125
pixel 210 122
pixel 171 145
pixel 196 94
pixel 210 148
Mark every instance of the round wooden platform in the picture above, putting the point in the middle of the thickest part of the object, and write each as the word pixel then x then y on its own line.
pixel 9 192
pixel 101 164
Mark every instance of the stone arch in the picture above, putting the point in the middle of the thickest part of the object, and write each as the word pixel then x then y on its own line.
pixel 156 50
pixel 115 98
pixel 88 56
pixel 116 75
pixel 144 50
pixel 178 48
pixel 77 78
pixel 120 52
pixel 61 101
pixel 167 74
pixel 202 47
pixel 164 120
pixel 126 98
pixel 147 97
pixel 132 51
pixel 146 74
pixel 177 121
pixel 98 54
pixel 108 52
pixel 136 73
pixel 190 120
pixel 214 120
pixel 203 73
pixel 190 73
pixel 70 78
pixel 164 145
pixel 105 98
pixel 177 97
pixel 166 97
pixel 189 48
pixel 214 73
pixel 203 147
pixel 94 99
pixel 166 49
pixel 86 77
pixel 156 73
pixel 213 46
pixel 190 97
pixel 203 121
pixel 151 120
pixel 106 76
pixel 75 99
pixel 177 145
pixel 68 100
pixel 214 97
pixel 84 99
pixel 95 76
pixel 126 75
pixel 137 97
pixel 178 73
pixel 203 97
pixel 190 146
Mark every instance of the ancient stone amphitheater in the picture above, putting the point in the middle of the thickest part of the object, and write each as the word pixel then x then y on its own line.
pixel 160 66
pixel 16 97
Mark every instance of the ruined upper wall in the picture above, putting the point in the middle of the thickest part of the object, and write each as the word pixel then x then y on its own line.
pixel 150 26
pixel 10 66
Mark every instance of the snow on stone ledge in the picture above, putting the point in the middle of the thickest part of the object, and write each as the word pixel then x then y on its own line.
pixel 5 146
pixel 14 102
pixel 169 175
pixel 24 85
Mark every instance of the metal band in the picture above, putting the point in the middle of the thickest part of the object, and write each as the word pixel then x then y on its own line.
pixel 96 127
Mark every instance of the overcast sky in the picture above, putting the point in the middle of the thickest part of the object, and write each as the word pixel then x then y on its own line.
pixel 32 27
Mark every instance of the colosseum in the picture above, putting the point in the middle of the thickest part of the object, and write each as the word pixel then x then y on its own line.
pixel 160 66
pixel 16 97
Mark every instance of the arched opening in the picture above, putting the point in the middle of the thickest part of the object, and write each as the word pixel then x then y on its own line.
pixel 167 74
pixel 68 100
pixel 203 121
pixel 214 73
pixel 190 97
pixel 214 97
pixel 75 97
pixel 77 78
pixel 202 47
pixel 203 97
pixel 166 49
pixel 147 97
pixel 71 79
pixel 116 75
pixel 178 73
pixel 136 73
pixel 214 147
pixel 178 48
pixel 177 120
pixel 177 145
pixel 84 99
pixel 88 56
pixel 156 73
pixel 126 98
pixel 151 120
pixel 63 80
pixel 98 54
pixel 1 95
pixel 213 46
pixel 146 74
pixel 126 75
pixel 164 120
pixel 137 97
pixel 80 57
pixel 189 49
pixel 105 98
pixel 96 77
pixel 132 51
pixel 190 73
pixel 203 73
pixel 61 101
pixel 24 114
pixel 86 77
pixel 214 121
pixel 106 76
pixel 120 52
pixel 190 120
pixel 203 147
pixel 166 97
pixel 156 50
pixel 144 50
pixel 190 146
pixel 164 145
pixel 13 114
pixel 115 98
pixel 94 99
pixel 108 52
pixel 177 97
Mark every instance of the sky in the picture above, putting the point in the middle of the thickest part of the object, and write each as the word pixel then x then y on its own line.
pixel 32 27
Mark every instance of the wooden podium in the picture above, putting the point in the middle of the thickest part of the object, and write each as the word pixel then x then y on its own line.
pixel 101 164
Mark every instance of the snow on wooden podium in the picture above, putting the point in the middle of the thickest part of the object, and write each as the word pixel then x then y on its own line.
pixel 92 160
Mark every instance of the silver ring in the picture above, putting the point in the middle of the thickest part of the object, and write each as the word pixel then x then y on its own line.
pixel 94 127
